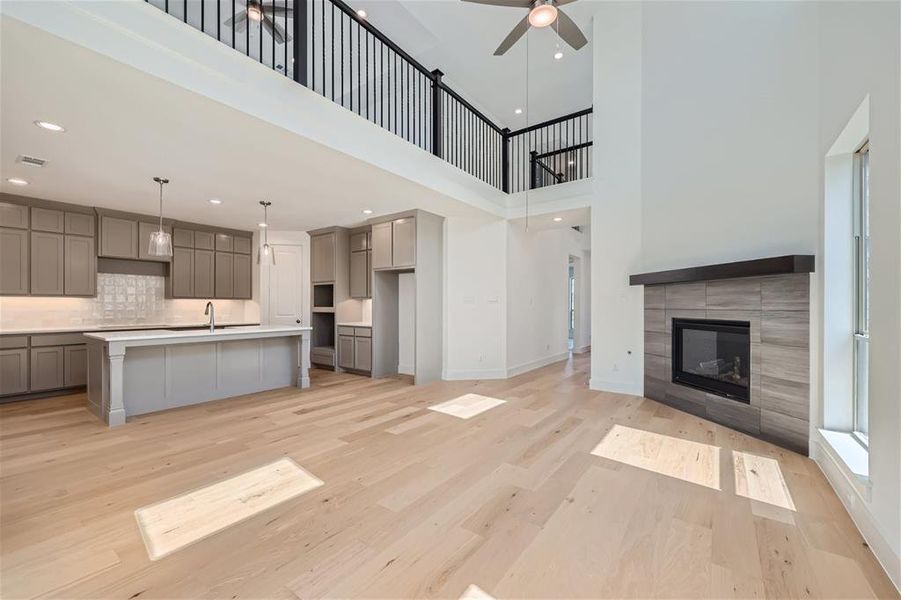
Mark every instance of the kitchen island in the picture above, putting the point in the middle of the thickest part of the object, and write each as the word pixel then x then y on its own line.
pixel 137 372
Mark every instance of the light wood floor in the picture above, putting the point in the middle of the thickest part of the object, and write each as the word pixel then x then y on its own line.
pixel 416 503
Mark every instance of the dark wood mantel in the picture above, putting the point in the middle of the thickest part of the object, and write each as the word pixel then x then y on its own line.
pixel 776 265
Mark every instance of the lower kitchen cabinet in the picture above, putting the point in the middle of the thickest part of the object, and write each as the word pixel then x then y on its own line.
pixel 363 354
pixel 75 366
pixel 346 351
pixel 13 371
pixel 355 348
pixel 47 368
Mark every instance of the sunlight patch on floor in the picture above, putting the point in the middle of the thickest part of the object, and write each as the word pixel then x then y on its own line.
pixel 178 522
pixel 674 457
pixel 467 405
pixel 760 478
pixel 474 592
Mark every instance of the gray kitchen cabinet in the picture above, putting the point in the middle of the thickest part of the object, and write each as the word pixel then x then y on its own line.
pixel 242 245
pixel 13 371
pixel 362 353
pixel 183 238
pixel 47 264
pixel 243 274
pixel 13 215
pixel 47 368
pixel 322 257
pixel 359 241
pixel 14 269
pixel 80 266
pixel 46 219
pixel 346 351
pixel 359 274
pixel 224 242
pixel 79 224
pixel 403 244
pixel 75 365
pixel 204 269
pixel 204 240
pixel 144 231
pixel 118 237
pixel 182 272
pixel 225 274
pixel 381 245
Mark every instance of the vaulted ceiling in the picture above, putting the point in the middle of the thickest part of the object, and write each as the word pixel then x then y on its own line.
pixel 460 38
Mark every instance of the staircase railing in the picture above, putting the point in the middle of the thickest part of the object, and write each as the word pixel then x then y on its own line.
pixel 328 47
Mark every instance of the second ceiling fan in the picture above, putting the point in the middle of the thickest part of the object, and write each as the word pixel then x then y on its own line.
pixel 541 14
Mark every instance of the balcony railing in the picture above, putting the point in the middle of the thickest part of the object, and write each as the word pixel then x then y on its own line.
pixel 326 46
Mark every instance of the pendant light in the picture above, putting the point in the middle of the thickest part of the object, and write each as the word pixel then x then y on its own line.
pixel 160 241
pixel 266 256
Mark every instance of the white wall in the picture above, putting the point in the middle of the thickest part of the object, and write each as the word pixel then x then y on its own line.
pixel 729 131
pixel 476 298
pixel 859 56
pixel 537 294
pixel 616 315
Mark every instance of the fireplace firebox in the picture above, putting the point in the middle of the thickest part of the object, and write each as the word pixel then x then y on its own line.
pixel 714 356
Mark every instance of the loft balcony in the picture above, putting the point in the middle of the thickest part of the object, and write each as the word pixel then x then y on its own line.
pixel 326 46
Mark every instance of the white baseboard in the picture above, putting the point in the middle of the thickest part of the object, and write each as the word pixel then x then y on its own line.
pixel 406 369
pixel 849 493
pixel 475 374
pixel 616 387
pixel 582 349
pixel 536 364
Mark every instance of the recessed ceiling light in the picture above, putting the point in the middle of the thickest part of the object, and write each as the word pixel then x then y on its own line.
pixel 50 126
pixel 557 219
pixel 263 224
pixel 215 201
pixel 518 111
pixel 558 55
pixel 367 211
pixel 16 181
pixel 361 13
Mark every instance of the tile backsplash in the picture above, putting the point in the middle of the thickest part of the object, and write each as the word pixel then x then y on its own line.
pixel 121 300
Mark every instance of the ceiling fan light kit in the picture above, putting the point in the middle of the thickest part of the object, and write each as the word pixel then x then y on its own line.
pixel 542 13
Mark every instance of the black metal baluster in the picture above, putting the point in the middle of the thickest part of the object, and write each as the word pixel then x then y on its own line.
pixel 184 15
pixel 233 22
pixel 341 22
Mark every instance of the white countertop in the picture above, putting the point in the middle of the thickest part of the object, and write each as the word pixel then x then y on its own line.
pixel 90 328
pixel 354 324
pixel 157 336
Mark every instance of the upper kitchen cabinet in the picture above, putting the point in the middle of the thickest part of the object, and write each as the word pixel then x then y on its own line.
pixel 13 215
pixel 225 275
pixel 46 248
pixel 14 269
pixel 360 265
pixel 323 248
pixel 243 276
pixel 394 244
pixel 210 263
pixel 118 237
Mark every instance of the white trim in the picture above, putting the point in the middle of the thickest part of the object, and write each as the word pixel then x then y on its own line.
pixel 536 364
pixel 616 387
pixel 848 489
pixel 582 349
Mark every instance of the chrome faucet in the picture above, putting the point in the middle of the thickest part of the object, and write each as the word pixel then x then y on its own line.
pixel 211 311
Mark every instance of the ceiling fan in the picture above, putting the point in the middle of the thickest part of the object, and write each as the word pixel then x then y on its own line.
pixel 541 14
pixel 259 12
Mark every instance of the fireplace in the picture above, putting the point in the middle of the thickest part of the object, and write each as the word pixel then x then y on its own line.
pixel 714 356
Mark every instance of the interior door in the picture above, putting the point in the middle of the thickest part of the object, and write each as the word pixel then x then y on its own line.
pixel 286 276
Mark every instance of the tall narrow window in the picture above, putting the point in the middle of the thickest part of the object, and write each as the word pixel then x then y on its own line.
pixel 862 292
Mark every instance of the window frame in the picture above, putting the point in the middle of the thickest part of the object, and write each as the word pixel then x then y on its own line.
pixel 861 333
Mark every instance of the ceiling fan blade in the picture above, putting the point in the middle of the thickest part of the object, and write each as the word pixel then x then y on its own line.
pixel 239 21
pixel 513 3
pixel 277 9
pixel 275 30
pixel 569 31
pixel 520 30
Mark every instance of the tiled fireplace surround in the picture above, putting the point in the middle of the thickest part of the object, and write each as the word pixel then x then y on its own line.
pixel 777 308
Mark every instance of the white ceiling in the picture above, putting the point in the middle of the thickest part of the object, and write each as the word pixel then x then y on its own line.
pixel 124 127
pixel 460 38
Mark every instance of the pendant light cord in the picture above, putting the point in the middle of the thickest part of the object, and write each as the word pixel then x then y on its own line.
pixel 161 204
